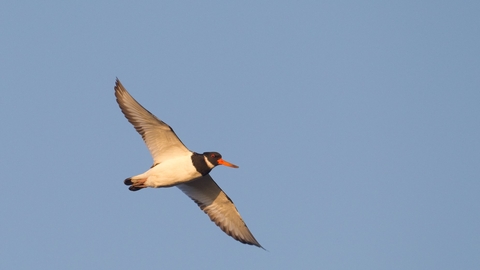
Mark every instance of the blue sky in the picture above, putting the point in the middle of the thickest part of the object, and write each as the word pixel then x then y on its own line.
pixel 355 125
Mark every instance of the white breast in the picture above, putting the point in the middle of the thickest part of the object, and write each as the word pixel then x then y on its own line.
pixel 172 172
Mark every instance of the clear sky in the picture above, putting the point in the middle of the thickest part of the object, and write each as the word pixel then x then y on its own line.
pixel 356 127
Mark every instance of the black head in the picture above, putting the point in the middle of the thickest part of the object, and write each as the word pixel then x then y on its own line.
pixel 216 159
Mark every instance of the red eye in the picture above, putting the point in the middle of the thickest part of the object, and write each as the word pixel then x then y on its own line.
pixel 212 155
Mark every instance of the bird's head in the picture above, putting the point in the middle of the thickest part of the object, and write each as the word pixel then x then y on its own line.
pixel 216 159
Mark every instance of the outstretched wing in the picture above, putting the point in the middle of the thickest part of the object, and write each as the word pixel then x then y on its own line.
pixel 218 206
pixel 159 137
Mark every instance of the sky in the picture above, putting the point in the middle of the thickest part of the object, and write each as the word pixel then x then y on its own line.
pixel 355 125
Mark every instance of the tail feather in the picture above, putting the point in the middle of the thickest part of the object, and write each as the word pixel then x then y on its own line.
pixel 135 184
pixel 128 182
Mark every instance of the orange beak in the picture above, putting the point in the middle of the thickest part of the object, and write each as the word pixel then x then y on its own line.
pixel 225 163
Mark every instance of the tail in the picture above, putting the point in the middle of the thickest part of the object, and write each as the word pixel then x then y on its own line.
pixel 135 184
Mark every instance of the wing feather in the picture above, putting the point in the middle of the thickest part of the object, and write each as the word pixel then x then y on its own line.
pixel 219 207
pixel 161 140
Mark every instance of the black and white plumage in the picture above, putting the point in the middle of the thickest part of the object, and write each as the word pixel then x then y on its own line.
pixel 175 165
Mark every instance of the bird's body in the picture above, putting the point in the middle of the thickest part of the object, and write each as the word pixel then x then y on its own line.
pixel 175 165
pixel 169 173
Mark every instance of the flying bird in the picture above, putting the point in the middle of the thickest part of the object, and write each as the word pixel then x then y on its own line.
pixel 175 165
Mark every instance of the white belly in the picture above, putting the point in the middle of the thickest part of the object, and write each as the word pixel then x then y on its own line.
pixel 171 172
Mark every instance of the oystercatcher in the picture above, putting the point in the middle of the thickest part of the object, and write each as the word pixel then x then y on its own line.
pixel 175 165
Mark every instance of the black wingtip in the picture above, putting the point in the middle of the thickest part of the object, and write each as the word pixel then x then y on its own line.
pixel 255 244
pixel 117 83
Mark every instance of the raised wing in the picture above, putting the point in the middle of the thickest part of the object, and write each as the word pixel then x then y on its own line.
pixel 218 206
pixel 159 137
